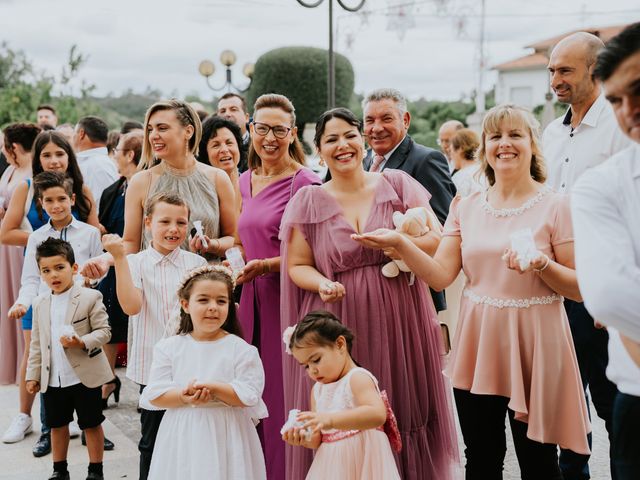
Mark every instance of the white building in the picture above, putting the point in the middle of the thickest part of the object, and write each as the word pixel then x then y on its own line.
pixel 525 81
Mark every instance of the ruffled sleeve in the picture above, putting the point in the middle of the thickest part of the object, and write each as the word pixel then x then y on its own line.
pixel 562 228
pixel 410 192
pixel 248 380
pixel 161 376
pixel 452 225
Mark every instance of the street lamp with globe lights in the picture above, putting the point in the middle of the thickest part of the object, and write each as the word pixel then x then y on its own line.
pixel 228 59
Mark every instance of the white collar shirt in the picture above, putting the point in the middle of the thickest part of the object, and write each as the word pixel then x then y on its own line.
pixel 85 240
pixel 61 373
pixel 158 277
pixel 387 155
pixel 98 170
pixel 569 152
pixel 604 205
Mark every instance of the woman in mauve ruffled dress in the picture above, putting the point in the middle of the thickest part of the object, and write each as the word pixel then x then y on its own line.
pixel 395 322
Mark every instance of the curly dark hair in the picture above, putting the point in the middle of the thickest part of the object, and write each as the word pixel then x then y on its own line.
pixel 210 129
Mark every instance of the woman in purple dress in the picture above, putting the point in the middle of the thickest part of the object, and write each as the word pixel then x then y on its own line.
pixel 393 318
pixel 275 174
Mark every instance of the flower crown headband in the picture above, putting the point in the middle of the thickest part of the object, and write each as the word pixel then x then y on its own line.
pixel 191 274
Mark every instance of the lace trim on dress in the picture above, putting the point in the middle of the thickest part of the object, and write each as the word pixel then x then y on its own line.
pixel 511 302
pixel 510 212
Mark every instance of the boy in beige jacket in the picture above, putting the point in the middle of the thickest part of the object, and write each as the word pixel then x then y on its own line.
pixel 66 360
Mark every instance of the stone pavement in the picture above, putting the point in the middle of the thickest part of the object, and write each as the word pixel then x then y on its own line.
pixel 123 428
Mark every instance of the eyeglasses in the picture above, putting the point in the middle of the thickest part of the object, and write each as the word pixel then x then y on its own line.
pixel 262 129
pixel 442 143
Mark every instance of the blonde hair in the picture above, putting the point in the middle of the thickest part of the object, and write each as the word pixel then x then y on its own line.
pixel 513 115
pixel 186 116
pixel 273 100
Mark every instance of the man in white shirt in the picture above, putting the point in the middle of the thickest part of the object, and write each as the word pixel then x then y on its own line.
pixel 605 204
pixel 90 145
pixel 581 139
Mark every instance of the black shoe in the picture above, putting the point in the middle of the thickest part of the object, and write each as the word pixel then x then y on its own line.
pixel 108 444
pixel 95 476
pixel 116 392
pixel 60 476
pixel 43 447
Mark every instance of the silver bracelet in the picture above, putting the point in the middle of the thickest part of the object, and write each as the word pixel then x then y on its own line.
pixel 544 266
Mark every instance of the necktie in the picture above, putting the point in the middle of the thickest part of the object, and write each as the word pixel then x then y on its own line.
pixel 377 161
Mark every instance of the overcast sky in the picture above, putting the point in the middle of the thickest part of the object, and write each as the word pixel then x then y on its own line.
pixel 430 51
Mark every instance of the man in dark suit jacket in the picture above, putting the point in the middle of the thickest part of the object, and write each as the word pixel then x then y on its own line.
pixel 386 126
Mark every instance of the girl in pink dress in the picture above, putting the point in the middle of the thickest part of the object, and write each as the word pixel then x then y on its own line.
pixel 347 410
pixel 513 353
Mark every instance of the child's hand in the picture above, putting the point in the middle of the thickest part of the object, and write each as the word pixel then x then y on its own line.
pixel 95 268
pixel 72 342
pixel 331 292
pixel 299 437
pixel 113 244
pixel 192 395
pixel 33 387
pixel 316 421
pixel 17 311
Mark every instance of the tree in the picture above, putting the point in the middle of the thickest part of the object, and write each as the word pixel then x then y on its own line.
pixel 300 73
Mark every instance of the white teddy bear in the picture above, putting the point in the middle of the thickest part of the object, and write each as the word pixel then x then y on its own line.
pixel 414 223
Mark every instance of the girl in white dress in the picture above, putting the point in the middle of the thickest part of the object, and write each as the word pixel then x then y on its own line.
pixel 210 382
pixel 348 410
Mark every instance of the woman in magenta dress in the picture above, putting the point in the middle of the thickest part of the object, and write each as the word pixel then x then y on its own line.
pixel 395 320
pixel 275 174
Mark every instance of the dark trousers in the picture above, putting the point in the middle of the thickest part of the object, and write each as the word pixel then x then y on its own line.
pixel 482 424
pixel 150 423
pixel 625 437
pixel 44 428
pixel 591 345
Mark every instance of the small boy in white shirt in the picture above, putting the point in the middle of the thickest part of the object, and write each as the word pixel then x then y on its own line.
pixel 66 360
pixel 147 284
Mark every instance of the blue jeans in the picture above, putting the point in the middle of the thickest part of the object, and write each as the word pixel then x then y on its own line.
pixel 591 345
pixel 625 437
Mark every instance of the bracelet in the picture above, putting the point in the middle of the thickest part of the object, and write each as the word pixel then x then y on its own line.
pixel 541 269
pixel 265 266
pixel 217 247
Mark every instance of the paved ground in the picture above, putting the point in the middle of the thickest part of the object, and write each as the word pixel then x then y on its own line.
pixel 123 428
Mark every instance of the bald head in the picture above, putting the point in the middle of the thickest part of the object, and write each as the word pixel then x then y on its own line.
pixel 447 130
pixel 571 67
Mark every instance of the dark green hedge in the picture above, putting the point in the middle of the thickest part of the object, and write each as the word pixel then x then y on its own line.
pixel 300 73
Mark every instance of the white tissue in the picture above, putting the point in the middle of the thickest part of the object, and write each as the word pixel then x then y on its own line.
pixel 197 224
pixel 292 422
pixel 68 331
pixel 523 244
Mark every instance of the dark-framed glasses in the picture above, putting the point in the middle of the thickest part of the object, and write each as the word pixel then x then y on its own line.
pixel 262 129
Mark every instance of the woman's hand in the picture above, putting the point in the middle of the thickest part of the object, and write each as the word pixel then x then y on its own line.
pixel 197 245
pixel 511 259
pixel 331 292
pixel 251 270
pixel 380 239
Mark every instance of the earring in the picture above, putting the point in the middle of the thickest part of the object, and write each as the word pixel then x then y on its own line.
pixel 321 162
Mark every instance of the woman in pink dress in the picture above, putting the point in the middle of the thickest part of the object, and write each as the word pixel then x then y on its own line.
pixel 513 353
pixel 18 139
pixel 275 174
pixel 395 320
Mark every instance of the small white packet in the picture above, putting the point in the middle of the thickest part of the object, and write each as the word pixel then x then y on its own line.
pixel 197 224
pixel 68 331
pixel 292 422
pixel 524 245
pixel 234 257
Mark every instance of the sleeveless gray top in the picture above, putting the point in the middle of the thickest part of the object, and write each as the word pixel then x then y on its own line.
pixel 198 192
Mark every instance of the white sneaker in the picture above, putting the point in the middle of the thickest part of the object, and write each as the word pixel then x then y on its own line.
pixel 19 428
pixel 74 430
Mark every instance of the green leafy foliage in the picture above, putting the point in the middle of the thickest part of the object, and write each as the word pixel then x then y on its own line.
pixel 300 73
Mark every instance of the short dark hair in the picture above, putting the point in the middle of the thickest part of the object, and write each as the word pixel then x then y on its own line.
pixel 232 95
pixel 342 114
pixel 53 247
pixel 46 106
pixel 24 134
pixel 320 328
pixel 210 128
pixel 95 128
pixel 619 48
pixel 46 180
pixel 130 125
